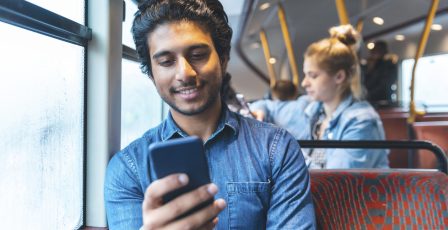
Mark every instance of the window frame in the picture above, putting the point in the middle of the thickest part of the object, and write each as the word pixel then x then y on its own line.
pixel 35 18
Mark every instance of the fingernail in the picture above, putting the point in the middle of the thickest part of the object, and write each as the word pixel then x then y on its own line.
pixel 221 203
pixel 183 179
pixel 212 189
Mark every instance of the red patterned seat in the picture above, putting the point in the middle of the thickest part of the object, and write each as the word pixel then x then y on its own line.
pixel 380 199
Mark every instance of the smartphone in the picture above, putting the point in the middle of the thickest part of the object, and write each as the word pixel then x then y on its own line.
pixel 181 155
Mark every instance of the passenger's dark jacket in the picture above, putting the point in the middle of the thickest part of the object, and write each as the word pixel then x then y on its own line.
pixel 379 80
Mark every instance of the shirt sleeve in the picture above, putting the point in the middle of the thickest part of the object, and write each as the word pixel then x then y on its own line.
pixel 291 205
pixel 359 158
pixel 122 193
pixel 258 105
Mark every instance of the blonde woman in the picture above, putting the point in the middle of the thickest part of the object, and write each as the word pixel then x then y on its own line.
pixel 333 108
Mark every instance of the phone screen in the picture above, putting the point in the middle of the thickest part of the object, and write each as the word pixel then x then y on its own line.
pixel 181 155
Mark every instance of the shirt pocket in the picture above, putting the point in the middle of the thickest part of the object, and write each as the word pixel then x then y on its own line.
pixel 248 203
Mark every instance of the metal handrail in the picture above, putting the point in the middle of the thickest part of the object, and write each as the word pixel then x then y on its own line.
pixel 288 44
pixel 267 56
pixel 438 152
pixel 342 12
pixel 420 50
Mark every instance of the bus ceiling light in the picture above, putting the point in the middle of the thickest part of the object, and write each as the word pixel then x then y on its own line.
pixel 264 6
pixel 370 45
pixel 272 60
pixel 378 21
pixel 436 27
pixel 399 37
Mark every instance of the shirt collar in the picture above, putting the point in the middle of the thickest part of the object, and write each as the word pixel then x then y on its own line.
pixel 314 108
pixel 227 120
pixel 341 108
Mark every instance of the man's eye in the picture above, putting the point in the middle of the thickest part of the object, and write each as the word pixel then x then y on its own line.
pixel 166 62
pixel 198 56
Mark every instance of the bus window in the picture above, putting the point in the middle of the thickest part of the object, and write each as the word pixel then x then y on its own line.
pixel 141 105
pixel 71 9
pixel 41 131
pixel 131 8
pixel 431 82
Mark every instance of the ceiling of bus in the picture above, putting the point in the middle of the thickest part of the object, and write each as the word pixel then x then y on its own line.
pixel 309 21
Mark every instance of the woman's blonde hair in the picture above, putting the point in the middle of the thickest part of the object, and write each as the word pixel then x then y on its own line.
pixel 339 52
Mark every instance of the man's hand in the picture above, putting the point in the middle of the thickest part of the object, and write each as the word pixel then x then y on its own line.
pixel 157 215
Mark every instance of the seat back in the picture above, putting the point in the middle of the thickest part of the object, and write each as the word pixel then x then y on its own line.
pixel 380 199
pixel 437 133
pixel 396 128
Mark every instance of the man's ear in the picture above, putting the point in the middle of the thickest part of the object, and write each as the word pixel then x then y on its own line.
pixel 340 76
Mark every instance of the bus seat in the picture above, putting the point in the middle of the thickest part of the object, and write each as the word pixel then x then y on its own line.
pixel 380 199
pixel 437 133
pixel 433 117
pixel 395 127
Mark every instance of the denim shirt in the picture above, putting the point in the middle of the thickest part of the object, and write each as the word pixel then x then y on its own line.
pixel 259 170
pixel 352 120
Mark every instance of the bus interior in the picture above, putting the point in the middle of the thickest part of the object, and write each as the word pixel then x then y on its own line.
pixel 73 95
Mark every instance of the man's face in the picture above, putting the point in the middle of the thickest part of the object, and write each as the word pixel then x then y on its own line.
pixel 187 71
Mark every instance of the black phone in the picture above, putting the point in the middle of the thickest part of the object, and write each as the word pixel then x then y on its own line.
pixel 181 155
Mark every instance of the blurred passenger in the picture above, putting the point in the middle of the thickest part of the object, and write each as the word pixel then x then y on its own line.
pixel 279 110
pixel 380 75
pixel 284 90
pixel 333 108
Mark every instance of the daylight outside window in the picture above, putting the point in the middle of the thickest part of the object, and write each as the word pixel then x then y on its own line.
pixel 41 131
pixel 430 82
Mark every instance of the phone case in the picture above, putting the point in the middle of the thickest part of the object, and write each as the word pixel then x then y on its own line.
pixel 181 155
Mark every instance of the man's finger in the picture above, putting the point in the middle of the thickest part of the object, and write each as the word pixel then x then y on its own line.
pixel 184 203
pixel 157 189
pixel 201 217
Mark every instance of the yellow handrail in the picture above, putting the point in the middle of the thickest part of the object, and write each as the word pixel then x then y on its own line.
pixel 359 25
pixel 288 44
pixel 342 12
pixel 267 56
pixel 420 50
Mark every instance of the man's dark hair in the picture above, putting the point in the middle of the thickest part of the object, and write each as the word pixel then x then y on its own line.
pixel 284 90
pixel 207 13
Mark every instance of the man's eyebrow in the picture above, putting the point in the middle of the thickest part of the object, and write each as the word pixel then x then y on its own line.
pixel 160 54
pixel 196 46
pixel 199 46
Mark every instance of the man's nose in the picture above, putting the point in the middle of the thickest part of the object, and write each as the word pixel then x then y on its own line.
pixel 184 70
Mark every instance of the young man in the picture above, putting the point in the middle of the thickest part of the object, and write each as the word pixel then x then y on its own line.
pixel 258 172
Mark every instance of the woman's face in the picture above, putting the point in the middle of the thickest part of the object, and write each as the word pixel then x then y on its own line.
pixel 319 85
